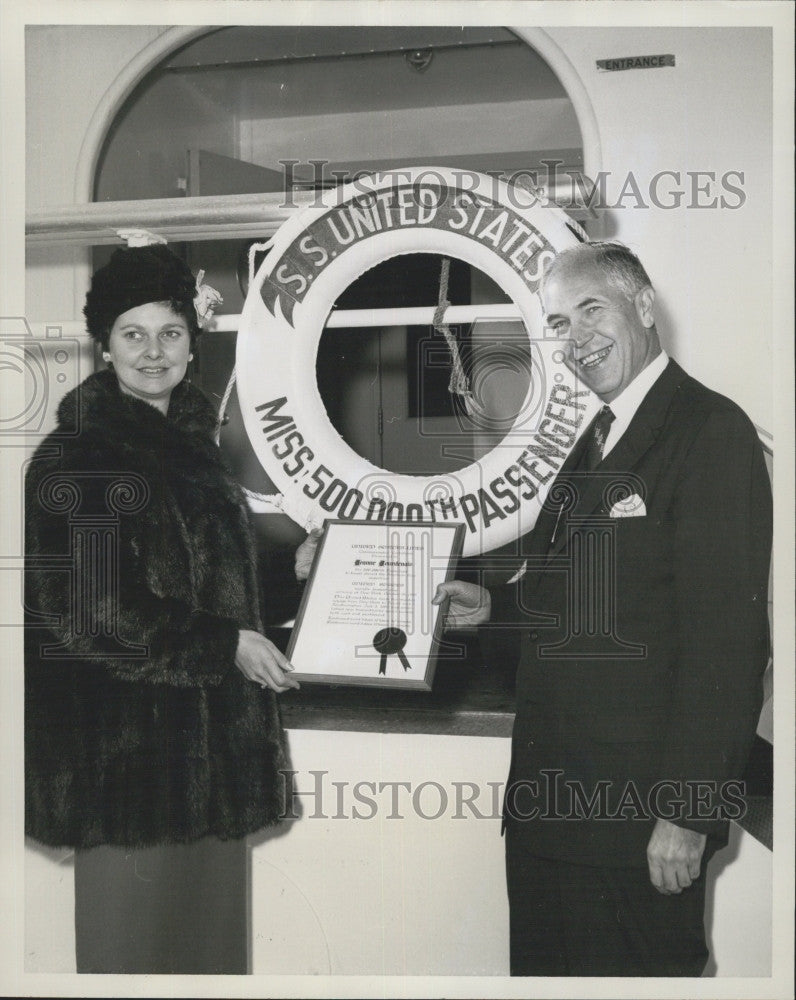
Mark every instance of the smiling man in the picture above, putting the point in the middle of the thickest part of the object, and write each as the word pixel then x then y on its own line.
pixel 605 312
pixel 641 605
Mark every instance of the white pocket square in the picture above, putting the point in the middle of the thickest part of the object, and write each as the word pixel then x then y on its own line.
pixel 519 574
pixel 632 506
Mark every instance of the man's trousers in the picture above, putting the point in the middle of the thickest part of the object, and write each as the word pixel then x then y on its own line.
pixel 582 920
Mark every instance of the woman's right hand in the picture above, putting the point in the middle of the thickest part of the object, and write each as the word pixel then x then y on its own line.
pixel 260 661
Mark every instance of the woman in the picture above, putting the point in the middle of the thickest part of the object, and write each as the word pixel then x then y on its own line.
pixel 153 736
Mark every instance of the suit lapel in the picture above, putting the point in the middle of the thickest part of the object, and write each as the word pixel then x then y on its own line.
pixel 538 540
pixel 641 433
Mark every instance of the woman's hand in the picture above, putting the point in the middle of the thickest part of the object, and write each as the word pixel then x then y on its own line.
pixel 260 661
pixel 469 603
pixel 305 553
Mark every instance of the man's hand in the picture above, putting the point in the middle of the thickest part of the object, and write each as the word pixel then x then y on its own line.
pixel 674 856
pixel 469 603
pixel 305 554
pixel 260 661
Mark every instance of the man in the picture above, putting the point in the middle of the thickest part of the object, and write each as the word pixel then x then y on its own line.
pixel 642 611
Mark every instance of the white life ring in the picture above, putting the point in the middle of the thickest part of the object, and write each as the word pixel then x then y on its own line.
pixel 505 232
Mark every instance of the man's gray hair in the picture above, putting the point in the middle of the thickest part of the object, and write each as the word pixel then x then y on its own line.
pixel 620 265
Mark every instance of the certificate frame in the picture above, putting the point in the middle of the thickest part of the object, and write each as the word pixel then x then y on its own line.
pixel 378 651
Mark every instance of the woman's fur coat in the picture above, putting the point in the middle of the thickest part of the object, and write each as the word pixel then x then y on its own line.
pixel 139 728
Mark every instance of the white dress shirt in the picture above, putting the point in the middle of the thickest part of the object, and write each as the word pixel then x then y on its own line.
pixel 624 409
pixel 628 401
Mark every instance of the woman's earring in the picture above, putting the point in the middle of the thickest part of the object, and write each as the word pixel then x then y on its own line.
pixel 106 357
pixel 190 357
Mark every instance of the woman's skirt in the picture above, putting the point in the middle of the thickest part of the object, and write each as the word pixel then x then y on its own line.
pixel 177 908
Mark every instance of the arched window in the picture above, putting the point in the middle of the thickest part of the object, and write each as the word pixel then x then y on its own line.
pixel 281 109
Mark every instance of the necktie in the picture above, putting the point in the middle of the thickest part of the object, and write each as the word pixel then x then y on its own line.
pixel 593 452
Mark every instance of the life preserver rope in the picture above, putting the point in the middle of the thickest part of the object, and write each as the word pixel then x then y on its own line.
pixel 458 382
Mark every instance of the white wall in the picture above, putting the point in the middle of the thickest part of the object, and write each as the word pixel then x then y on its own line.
pixel 68 71
pixel 712 267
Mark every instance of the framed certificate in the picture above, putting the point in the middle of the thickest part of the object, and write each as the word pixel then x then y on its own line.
pixel 366 617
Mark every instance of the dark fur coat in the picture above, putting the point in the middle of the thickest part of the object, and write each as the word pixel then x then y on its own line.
pixel 139 728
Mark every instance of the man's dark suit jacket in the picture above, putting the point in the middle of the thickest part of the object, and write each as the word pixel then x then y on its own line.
pixel 676 690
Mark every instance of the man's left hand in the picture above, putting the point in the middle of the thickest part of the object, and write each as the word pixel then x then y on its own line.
pixel 674 856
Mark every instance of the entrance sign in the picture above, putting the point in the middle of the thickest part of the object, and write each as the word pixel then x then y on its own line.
pixel 500 229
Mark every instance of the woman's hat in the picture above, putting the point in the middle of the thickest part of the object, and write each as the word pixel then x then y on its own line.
pixel 133 277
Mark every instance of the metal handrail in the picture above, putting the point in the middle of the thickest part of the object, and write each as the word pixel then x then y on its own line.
pixel 208 217
pixel 231 216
